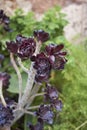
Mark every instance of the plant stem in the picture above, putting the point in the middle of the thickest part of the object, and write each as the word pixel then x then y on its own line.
pixel 18 74
pixel 21 65
pixel 36 95
pixel 28 112
pixel 1 94
pixel 81 125
pixel 33 92
pixel 33 107
pixel 30 80
pixel 35 89
pixel 28 90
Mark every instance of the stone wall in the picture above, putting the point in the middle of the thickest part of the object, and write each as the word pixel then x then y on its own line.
pixel 77 17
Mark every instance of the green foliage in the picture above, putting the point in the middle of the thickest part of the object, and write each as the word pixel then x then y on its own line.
pixel 53 22
pixel 72 82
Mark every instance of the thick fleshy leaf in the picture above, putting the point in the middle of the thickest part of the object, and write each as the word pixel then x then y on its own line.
pixel 12 47
pixel 6 115
pixel 45 113
pixel 51 93
pixel 58 48
pixel 63 53
pixel 26 48
pixel 41 35
pixel 57 104
pixel 43 67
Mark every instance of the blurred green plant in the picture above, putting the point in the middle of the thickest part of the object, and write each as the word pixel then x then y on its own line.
pixel 53 21
pixel 72 83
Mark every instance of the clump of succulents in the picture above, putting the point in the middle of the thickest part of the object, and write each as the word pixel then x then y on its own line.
pixel 42 64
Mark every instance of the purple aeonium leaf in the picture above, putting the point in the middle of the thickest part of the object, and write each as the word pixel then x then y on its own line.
pixel 59 62
pixel 20 38
pixel 12 46
pixel 23 47
pixel 42 77
pixel 57 104
pixel 4 77
pixel 52 49
pixel 56 56
pixel 42 66
pixel 51 92
pixel 45 113
pixel 27 48
pixel 41 35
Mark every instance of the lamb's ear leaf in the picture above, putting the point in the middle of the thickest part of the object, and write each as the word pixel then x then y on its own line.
pixel 14 87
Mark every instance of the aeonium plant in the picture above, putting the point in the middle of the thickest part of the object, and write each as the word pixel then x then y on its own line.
pixel 42 64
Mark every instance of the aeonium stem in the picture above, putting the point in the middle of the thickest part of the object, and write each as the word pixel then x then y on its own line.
pixel 29 112
pixel 22 66
pixel 30 100
pixel 36 95
pixel 30 80
pixel 33 92
pixel 18 74
pixel 35 89
pixel 28 90
pixel 1 94
pixel 33 107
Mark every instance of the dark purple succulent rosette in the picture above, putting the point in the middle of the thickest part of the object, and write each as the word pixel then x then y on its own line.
pixel 51 93
pixel 56 55
pixel 4 77
pixel 41 35
pixel 20 38
pixel 6 115
pixel 26 48
pixel 57 104
pixel 42 66
pixel 45 113
pixel 12 46
pixel 23 47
